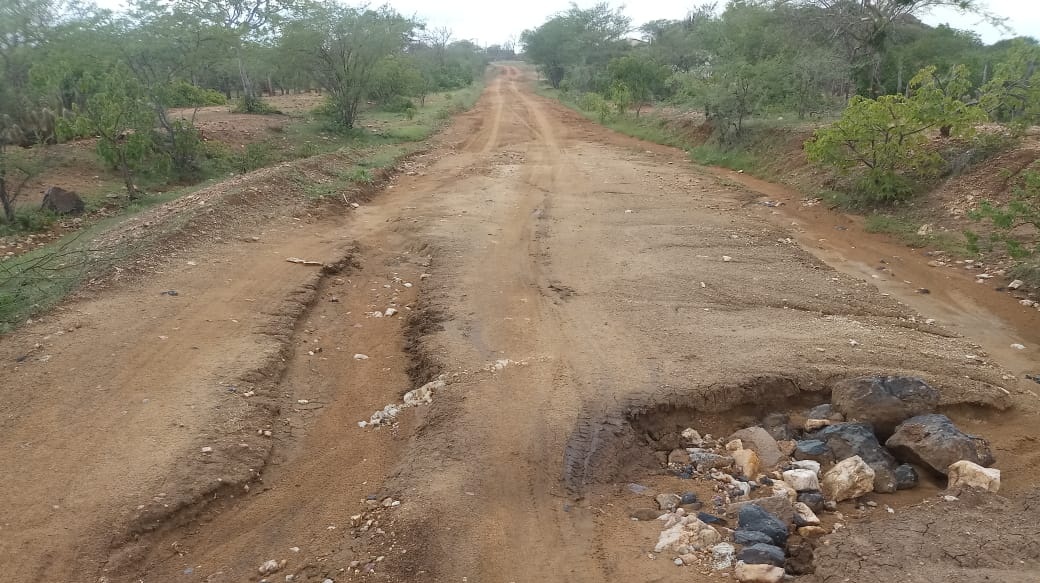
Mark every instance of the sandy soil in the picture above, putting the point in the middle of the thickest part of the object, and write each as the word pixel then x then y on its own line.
pixel 564 279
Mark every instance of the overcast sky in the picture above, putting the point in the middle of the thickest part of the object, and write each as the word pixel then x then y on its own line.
pixel 494 21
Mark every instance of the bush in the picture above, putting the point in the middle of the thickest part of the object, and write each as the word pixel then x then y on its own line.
pixel 1016 225
pixel 256 155
pixel 28 221
pixel 184 94
pixel 254 105
pixel 397 104
pixel 597 104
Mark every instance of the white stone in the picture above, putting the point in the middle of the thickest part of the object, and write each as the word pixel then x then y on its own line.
pixel 360 357
pixel 802 480
pixel 727 258
pixel 417 397
pixel 722 556
pixel 269 567
pixel 968 474
pixel 207 449
pixel 816 424
pixel 849 478
pixel 758 573
pixel 805 515
pixel 390 312
pixel 1018 346
pixel 807 465
pixel 783 489
pixel 692 437
pixel 1016 284
pixel 686 531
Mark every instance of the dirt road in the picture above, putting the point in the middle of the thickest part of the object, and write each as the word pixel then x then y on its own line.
pixel 563 280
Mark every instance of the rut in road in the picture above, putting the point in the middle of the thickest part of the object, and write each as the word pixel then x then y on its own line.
pixel 574 280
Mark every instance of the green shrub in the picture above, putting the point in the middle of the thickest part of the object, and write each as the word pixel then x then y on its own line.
pixel 253 156
pixel 184 94
pixel 397 104
pixel 1012 221
pixel 28 221
pixel 254 105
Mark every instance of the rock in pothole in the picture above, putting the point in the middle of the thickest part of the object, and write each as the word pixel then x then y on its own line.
pixel 933 441
pixel 966 474
pixel 849 478
pixel 846 440
pixel 884 401
pixel 755 518
pixel 758 440
pixel 762 554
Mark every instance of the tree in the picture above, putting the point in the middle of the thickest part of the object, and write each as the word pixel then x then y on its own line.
pixel 641 76
pixel 117 111
pixel 887 138
pixel 574 39
pixel 1013 94
pixel 241 21
pixel 344 47
pixel 17 168
pixel 865 28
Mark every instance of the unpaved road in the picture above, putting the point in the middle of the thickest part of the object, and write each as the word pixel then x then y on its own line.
pixel 602 278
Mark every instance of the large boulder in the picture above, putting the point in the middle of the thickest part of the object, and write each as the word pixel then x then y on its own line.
pixel 845 440
pixel 884 401
pixel 934 442
pixel 761 442
pixel 62 202
pixel 755 518
pixel 849 478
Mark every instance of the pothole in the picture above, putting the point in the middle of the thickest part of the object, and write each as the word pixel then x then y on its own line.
pixel 750 484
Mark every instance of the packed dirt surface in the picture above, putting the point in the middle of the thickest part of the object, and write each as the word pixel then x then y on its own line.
pixel 562 281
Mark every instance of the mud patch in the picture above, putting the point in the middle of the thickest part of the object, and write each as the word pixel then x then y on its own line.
pixel 978 537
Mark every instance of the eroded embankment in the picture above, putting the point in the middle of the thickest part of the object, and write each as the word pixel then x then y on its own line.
pixel 232 460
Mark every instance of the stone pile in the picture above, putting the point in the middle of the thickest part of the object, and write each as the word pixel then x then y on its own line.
pixel 775 479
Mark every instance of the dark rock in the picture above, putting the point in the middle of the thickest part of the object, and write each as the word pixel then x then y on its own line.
pixel 778 426
pixel 825 411
pixel 762 554
pixel 813 449
pixel 753 517
pixel 884 401
pixel 749 537
pixel 933 441
pixel 63 202
pixel 813 499
pixel 687 498
pixel 711 519
pixel 846 440
pixel 906 477
pixel 765 481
